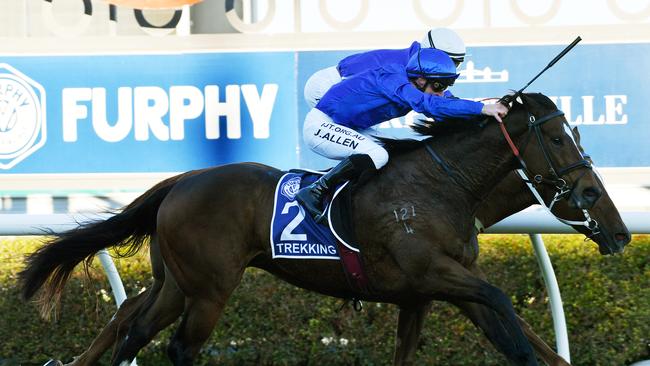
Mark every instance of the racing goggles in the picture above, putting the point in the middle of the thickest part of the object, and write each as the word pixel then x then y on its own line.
pixel 440 84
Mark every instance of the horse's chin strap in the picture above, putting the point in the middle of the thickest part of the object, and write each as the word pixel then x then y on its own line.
pixel 589 223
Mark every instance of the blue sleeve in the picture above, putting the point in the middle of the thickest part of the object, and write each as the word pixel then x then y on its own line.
pixel 448 94
pixel 434 106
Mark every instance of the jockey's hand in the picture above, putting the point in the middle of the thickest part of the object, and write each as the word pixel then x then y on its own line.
pixel 496 110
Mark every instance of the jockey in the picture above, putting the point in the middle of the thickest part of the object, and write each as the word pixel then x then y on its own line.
pixel 443 39
pixel 337 126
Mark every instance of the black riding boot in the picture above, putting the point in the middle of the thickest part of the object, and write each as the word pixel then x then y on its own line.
pixel 311 197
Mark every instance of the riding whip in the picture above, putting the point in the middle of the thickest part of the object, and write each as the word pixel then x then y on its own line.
pixel 568 48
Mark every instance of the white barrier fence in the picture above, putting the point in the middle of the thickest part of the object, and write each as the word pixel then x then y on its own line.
pixel 538 222
pixel 526 222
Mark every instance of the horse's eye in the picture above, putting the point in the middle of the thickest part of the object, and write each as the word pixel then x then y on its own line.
pixel 556 141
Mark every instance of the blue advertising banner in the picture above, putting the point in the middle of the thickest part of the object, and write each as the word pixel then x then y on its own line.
pixel 146 113
pixel 599 87
pixel 176 112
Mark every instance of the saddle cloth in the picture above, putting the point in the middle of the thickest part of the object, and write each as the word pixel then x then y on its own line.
pixel 295 234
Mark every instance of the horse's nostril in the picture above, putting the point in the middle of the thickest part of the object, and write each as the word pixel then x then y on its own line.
pixel 622 238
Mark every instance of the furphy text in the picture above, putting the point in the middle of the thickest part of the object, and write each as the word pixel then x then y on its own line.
pixel 147 112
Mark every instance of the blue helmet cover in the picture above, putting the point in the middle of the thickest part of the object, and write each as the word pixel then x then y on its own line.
pixel 431 63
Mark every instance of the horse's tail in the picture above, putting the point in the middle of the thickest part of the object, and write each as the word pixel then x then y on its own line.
pixel 51 265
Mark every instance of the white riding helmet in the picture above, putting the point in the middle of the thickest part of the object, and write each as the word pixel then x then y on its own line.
pixel 445 40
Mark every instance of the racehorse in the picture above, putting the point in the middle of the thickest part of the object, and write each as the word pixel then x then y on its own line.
pixel 207 238
pixel 510 196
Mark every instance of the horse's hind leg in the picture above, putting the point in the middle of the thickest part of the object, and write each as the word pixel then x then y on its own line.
pixel 114 330
pixel 156 314
pixel 117 327
pixel 202 308
pixel 199 319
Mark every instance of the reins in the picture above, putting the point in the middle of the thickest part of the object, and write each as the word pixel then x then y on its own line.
pixel 451 173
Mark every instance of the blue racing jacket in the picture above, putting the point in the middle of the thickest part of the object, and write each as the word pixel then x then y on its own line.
pixel 360 62
pixel 384 93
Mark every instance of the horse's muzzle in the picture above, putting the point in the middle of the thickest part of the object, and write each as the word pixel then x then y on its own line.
pixel 615 243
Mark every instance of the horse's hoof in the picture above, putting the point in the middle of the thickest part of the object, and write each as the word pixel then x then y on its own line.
pixel 53 363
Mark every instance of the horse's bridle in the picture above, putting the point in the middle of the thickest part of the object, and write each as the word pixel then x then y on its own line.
pixel 562 189
pixel 588 222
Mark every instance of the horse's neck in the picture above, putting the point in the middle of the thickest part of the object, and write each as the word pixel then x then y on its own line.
pixel 510 196
pixel 483 161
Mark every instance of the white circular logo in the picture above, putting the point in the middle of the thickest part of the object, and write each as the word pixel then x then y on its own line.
pixel 291 187
pixel 19 116
pixel 22 121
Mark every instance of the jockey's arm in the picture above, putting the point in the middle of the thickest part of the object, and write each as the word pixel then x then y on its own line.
pixel 435 106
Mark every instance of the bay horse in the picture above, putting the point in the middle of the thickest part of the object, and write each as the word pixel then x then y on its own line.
pixel 210 225
pixel 509 197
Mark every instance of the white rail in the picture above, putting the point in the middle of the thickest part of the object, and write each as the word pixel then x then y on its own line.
pixel 542 223
pixel 521 223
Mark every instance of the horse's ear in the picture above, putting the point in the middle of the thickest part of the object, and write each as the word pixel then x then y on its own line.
pixel 510 99
pixel 576 133
pixel 519 100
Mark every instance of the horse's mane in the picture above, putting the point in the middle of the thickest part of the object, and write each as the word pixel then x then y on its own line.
pixel 431 128
pixel 451 126
pixel 397 146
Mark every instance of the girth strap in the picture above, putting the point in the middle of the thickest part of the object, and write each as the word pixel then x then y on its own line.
pixel 353 269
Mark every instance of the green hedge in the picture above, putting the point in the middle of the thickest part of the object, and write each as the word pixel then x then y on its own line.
pixel 268 322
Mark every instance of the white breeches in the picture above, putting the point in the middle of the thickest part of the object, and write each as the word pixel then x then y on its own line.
pixel 319 83
pixel 338 142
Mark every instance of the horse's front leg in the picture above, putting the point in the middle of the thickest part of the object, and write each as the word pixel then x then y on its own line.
pixel 409 326
pixel 480 314
pixel 487 320
pixel 446 279
pixel 545 352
